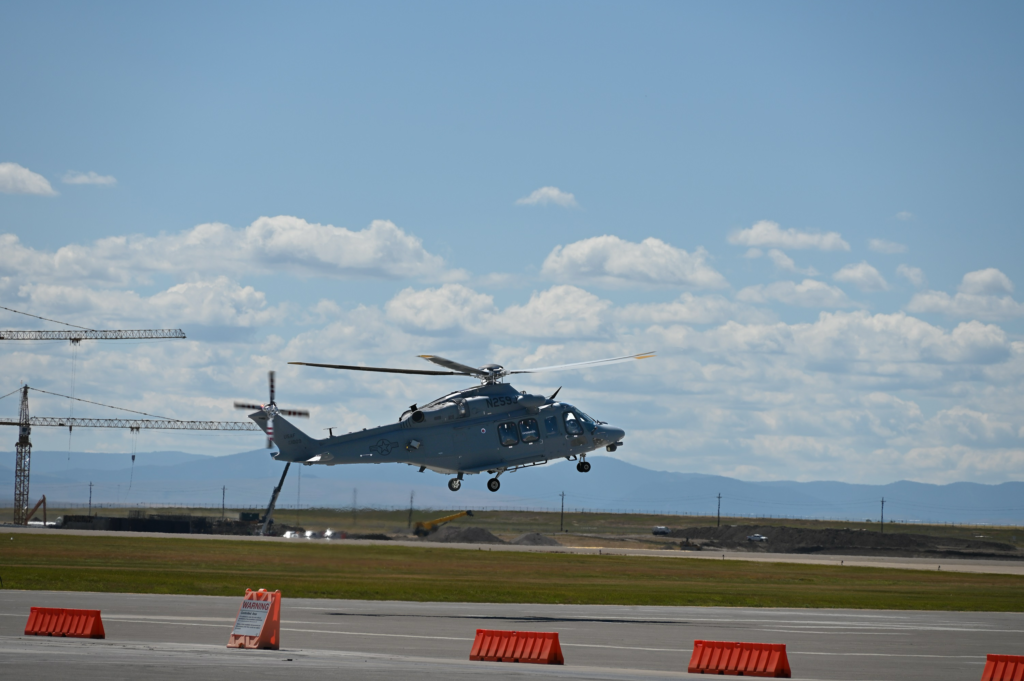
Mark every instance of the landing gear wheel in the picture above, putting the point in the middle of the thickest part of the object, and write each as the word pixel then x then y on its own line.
pixel 454 484
pixel 493 484
pixel 584 466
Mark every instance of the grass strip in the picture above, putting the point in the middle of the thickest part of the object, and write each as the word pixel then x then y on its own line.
pixel 350 570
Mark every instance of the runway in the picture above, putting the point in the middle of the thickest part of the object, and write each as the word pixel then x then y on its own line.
pixel 1003 567
pixel 170 637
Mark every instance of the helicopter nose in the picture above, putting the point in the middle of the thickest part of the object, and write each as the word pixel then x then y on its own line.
pixel 615 434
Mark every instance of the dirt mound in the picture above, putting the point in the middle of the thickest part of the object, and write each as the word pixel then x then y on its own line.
pixel 535 539
pixel 846 542
pixel 463 535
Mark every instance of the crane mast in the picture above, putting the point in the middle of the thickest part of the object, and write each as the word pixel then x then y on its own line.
pixel 23 462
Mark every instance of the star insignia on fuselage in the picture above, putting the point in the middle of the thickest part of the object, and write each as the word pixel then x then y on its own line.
pixel 383 447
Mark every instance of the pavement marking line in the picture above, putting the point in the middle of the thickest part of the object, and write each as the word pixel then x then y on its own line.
pixel 945 657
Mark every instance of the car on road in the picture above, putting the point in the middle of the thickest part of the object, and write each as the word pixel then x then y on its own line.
pixel 757 537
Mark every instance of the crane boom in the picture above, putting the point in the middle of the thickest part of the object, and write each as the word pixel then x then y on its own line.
pixel 135 424
pixel 75 336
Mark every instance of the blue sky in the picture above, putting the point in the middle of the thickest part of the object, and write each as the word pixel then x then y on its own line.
pixel 810 210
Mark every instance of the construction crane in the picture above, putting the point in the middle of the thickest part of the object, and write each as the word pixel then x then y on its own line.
pixel 23 448
pixel 82 333
pixel 22 465
pixel 90 334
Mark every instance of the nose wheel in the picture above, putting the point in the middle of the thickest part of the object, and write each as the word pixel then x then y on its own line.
pixel 454 484
pixel 583 466
pixel 494 484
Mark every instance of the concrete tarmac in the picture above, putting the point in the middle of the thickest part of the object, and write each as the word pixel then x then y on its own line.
pixel 171 637
pixel 1004 567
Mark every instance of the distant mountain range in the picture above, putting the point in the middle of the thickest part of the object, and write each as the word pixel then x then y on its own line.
pixel 181 478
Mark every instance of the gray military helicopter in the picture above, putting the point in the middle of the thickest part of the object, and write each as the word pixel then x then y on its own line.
pixel 489 428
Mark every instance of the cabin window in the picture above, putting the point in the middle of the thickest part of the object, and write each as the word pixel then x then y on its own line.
pixel 529 430
pixel 551 425
pixel 572 424
pixel 507 434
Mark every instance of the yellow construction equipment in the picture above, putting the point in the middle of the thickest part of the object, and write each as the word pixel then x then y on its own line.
pixel 425 527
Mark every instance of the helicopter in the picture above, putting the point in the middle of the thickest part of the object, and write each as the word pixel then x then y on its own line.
pixel 489 428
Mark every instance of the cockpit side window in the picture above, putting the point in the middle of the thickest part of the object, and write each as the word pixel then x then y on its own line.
pixel 551 425
pixel 529 430
pixel 588 422
pixel 572 424
pixel 507 434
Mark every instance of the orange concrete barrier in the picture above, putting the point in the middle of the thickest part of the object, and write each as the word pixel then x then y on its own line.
pixel 65 622
pixel 740 659
pixel 1004 668
pixel 535 647
pixel 258 624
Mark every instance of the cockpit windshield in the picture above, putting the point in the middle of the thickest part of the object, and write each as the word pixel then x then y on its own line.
pixel 587 421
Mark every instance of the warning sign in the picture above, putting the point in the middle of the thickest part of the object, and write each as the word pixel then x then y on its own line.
pixel 251 618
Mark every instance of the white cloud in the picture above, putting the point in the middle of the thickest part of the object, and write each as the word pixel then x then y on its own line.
pixel 215 302
pixel 915 275
pixel 887 247
pixel 904 215
pixel 863 276
pixel 862 337
pixel 690 309
pixel 16 179
pixel 986 282
pixel 767 234
pixel 808 293
pixel 753 253
pixel 559 311
pixel 977 297
pixel 91 177
pixel 784 262
pixel 450 306
pixel 965 305
pixel 613 261
pixel 546 195
pixel 267 246
pixel 565 311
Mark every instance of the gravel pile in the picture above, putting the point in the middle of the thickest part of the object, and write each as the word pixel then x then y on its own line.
pixel 463 535
pixel 535 539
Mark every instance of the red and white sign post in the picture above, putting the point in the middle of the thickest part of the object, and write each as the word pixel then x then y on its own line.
pixel 258 624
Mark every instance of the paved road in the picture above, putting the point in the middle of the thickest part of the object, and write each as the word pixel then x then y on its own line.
pixel 1005 567
pixel 169 637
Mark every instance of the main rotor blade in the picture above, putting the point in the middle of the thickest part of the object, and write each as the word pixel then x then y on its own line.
pixel 449 364
pixel 583 365
pixel 270 376
pixel 383 370
pixel 246 405
pixel 294 412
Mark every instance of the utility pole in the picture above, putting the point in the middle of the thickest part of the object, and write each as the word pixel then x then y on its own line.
pixel 561 523
pixel 719 510
pixel 90 497
pixel 223 494
pixel 882 524
pixel 411 495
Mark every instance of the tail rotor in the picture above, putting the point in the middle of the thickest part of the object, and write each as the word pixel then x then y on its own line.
pixel 272 410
